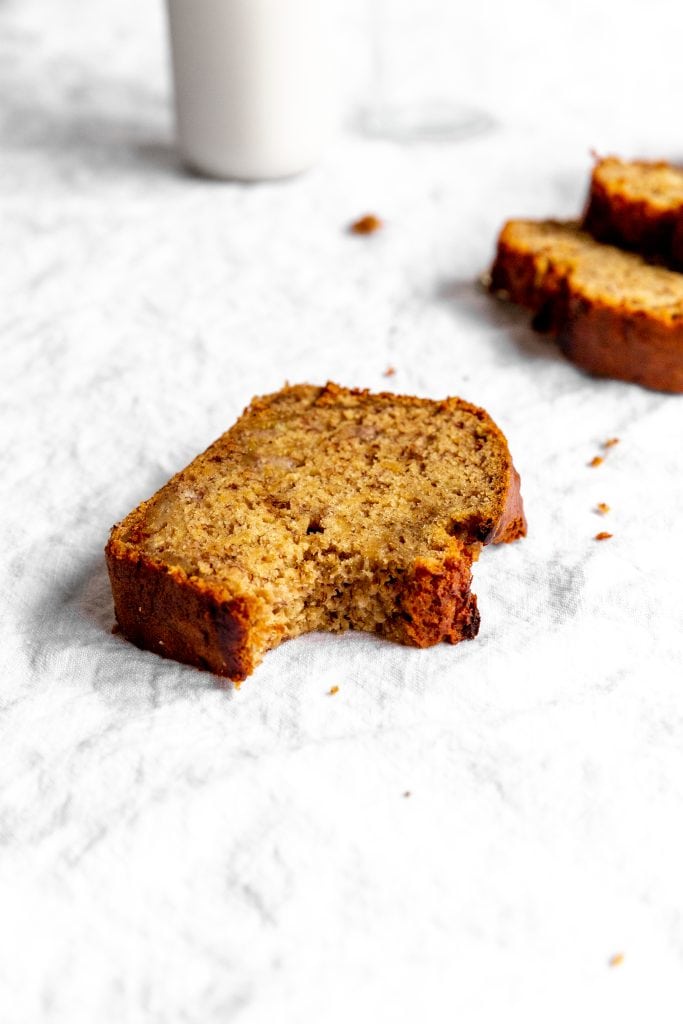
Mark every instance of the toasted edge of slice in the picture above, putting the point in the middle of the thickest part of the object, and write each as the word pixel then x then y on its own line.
pixel 164 607
pixel 613 314
pixel 638 205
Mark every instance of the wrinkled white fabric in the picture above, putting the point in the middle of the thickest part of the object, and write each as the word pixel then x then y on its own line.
pixel 171 851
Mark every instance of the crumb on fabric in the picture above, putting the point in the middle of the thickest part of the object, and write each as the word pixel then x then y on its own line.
pixel 603 535
pixel 389 372
pixel 333 690
pixel 616 960
pixel 407 793
pixel 597 460
pixel 610 442
pixel 366 225
pixel 602 508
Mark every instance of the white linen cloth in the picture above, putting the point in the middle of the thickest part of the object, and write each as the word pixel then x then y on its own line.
pixel 171 851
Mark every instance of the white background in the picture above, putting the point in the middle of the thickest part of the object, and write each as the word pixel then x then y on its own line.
pixel 175 852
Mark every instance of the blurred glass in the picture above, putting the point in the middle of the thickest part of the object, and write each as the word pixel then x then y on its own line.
pixel 415 52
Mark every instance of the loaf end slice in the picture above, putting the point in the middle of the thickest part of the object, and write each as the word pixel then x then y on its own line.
pixel 638 205
pixel 322 508
pixel 613 314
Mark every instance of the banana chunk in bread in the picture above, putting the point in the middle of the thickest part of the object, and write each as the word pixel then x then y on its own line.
pixel 322 508
pixel 638 205
pixel 613 314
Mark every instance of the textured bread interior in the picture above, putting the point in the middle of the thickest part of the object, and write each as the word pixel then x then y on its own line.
pixel 319 501
pixel 658 184
pixel 600 273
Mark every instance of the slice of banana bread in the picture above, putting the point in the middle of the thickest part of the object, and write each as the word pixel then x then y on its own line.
pixel 613 314
pixel 321 508
pixel 638 205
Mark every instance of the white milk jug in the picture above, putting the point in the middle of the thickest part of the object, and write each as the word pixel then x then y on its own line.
pixel 253 84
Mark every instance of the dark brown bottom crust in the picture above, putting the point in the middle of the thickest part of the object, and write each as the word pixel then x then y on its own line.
pixel 179 618
pixel 630 347
pixel 625 347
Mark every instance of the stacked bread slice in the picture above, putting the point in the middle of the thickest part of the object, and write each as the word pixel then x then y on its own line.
pixel 607 287
pixel 638 206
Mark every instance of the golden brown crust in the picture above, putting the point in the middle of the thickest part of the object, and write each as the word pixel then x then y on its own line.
pixel 606 334
pixel 166 608
pixel 512 524
pixel 518 276
pixel 436 604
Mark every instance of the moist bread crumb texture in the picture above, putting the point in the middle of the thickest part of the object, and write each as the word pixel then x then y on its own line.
pixel 613 314
pixel 320 509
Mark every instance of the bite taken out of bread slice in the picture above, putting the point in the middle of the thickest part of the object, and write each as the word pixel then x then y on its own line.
pixel 322 508
pixel 613 314
pixel 638 204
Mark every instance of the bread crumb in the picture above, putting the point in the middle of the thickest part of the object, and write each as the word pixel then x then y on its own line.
pixel 603 535
pixel 366 225
pixel 333 690
pixel 597 460
pixel 407 793
pixel 616 960
pixel 389 372
pixel 602 508
pixel 610 442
